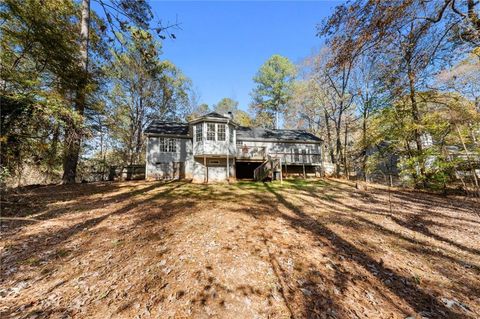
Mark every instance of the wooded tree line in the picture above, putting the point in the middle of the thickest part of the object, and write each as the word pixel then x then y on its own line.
pixel 79 85
pixel 394 91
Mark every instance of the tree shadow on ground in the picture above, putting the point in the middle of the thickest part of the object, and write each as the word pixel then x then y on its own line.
pixel 16 217
pixel 34 245
pixel 321 293
pixel 447 259
pixel 414 221
pixel 428 200
pixel 417 223
pixel 317 303
pixel 403 287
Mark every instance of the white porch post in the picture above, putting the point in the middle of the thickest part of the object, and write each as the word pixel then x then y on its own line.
pixel 227 131
pixel 146 159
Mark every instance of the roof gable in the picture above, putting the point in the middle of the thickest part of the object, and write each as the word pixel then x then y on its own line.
pixel 215 114
pixel 214 117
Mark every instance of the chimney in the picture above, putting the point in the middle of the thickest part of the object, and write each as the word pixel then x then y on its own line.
pixel 230 115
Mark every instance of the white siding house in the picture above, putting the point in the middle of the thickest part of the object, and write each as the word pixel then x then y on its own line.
pixel 213 148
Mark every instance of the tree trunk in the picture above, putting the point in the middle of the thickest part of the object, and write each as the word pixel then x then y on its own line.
pixel 415 113
pixel 138 146
pixel 364 142
pixel 338 149
pixel 73 133
pixel 329 138
pixel 52 153
pixel 416 122
pixel 277 115
pixel 345 152
pixel 338 138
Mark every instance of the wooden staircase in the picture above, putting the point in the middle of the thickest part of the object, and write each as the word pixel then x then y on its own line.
pixel 266 169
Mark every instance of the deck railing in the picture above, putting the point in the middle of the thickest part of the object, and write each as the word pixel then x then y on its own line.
pixel 292 157
pixel 297 158
pixel 252 152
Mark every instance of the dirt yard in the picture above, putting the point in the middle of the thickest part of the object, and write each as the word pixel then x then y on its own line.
pixel 304 249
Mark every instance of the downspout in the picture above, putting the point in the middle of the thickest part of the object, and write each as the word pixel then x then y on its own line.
pixel 204 135
pixel 227 129
pixel 146 159
pixel 322 160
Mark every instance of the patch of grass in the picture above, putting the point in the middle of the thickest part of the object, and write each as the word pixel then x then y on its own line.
pixel 291 183
pixel 104 294
pixel 250 185
pixel 417 279
pixel 32 261
pixel 195 190
pixel 46 271
pixel 328 197
pixel 117 242
pixel 61 253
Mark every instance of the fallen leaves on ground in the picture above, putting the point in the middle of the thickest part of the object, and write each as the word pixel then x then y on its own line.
pixel 302 249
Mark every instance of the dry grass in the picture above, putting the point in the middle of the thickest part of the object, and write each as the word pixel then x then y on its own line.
pixel 304 249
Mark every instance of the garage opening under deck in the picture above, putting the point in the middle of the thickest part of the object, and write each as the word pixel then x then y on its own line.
pixel 244 170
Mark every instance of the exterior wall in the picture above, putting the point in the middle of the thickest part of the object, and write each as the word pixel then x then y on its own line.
pixel 169 165
pixel 217 172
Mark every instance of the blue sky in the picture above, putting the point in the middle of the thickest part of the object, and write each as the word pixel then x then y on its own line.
pixel 222 44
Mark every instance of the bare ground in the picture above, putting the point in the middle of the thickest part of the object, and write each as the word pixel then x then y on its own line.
pixel 304 249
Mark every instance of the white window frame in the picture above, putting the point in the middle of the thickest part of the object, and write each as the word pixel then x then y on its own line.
pixel 210 132
pixel 221 128
pixel 167 145
pixel 172 145
pixel 162 146
pixel 199 132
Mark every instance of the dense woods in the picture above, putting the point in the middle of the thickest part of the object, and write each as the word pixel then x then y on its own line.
pixel 394 92
pixel 79 85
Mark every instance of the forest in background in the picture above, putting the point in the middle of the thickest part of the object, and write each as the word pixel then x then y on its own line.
pixel 395 91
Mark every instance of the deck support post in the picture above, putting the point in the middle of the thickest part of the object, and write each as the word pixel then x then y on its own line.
pixel 227 138
pixel 205 178
pixel 281 173
pixel 146 159
pixel 228 168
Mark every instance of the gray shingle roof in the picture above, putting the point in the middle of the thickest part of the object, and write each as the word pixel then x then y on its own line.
pixel 246 133
pixel 257 133
pixel 168 128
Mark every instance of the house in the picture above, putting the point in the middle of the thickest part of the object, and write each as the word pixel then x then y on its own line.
pixel 213 148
